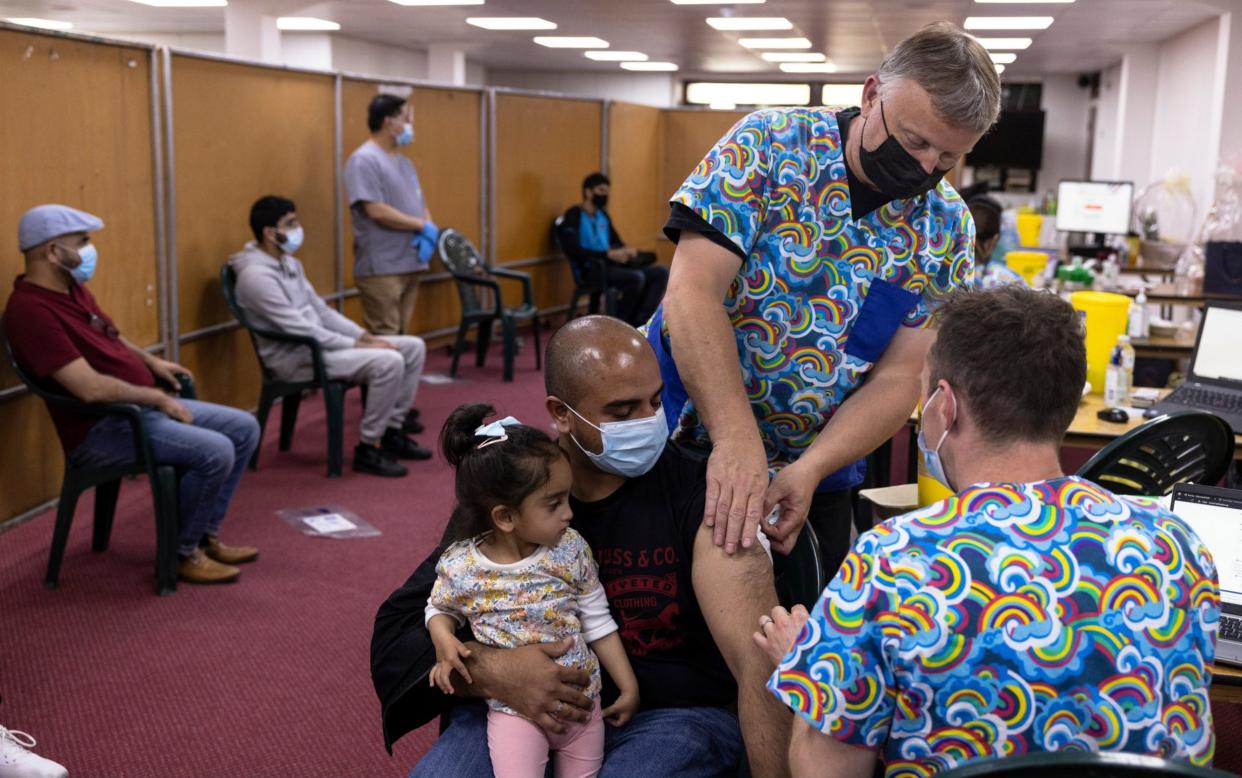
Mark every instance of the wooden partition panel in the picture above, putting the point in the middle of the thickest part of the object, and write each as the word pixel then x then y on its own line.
pixel 638 201
pixel 75 129
pixel 447 153
pixel 544 148
pixel 688 136
pixel 225 365
pixel 241 132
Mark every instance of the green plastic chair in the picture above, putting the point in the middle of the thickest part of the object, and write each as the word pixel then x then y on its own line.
pixel 290 392
pixel 106 482
pixel 1177 448
pixel 471 274
pixel 1081 765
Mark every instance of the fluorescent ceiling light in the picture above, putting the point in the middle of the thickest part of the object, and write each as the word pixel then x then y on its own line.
pixel 793 56
pixel 717 2
pixel 183 3
pixel 841 94
pixel 1000 69
pixel 1003 57
pixel 42 24
pixel 723 106
pixel 808 67
pixel 570 42
pixel 604 55
pixel 1005 43
pixel 437 2
pixel 775 43
pixel 1008 22
pixel 511 23
pixel 1025 2
pixel 305 23
pixel 649 65
pixel 711 92
pixel 750 23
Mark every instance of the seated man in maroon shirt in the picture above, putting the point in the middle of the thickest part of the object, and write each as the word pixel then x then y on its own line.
pixel 61 337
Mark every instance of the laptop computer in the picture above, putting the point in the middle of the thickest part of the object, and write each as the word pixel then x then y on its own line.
pixel 1216 517
pixel 1215 381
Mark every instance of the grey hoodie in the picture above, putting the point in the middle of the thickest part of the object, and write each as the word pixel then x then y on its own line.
pixel 276 295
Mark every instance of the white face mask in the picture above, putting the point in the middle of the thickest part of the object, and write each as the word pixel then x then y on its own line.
pixel 293 240
pixel 631 448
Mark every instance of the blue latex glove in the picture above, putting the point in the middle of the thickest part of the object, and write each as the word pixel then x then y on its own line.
pixel 425 242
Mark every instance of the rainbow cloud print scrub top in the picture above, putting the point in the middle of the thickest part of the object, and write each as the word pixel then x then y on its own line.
pixel 1014 618
pixel 820 294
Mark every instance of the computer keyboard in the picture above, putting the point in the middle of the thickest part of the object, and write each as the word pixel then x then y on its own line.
pixel 1229 402
pixel 1230 629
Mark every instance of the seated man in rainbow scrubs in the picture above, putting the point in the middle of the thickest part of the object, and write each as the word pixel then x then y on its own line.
pixel 1031 612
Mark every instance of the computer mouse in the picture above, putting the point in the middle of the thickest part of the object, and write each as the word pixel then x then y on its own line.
pixel 1152 413
pixel 1115 415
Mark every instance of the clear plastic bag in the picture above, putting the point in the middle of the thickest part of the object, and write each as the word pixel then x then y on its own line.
pixel 328 521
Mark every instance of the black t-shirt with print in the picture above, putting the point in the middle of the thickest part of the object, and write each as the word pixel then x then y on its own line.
pixel 642 536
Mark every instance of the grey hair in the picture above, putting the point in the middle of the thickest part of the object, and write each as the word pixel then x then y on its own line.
pixel 955 71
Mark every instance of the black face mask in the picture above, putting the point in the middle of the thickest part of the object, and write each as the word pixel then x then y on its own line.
pixel 893 171
pixel 599 200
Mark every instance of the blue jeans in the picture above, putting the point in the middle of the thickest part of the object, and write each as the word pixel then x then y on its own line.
pixel 686 742
pixel 209 454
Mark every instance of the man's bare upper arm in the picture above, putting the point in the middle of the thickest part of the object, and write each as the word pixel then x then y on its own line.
pixel 700 265
pixel 733 591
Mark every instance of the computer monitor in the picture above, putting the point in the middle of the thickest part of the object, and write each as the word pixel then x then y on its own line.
pixel 1101 207
pixel 1216 352
pixel 1216 517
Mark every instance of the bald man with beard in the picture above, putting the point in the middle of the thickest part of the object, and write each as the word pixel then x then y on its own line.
pixel 684 607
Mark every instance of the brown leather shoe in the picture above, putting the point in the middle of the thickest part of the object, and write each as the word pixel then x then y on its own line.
pixel 229 555
pixel 200 569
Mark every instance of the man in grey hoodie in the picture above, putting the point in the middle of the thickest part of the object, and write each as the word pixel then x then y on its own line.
pixel 273 290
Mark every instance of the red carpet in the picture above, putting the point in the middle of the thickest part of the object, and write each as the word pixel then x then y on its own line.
pixel 265 677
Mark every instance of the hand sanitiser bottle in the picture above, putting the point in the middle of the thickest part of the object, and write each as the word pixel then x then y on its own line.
pixel 1120 374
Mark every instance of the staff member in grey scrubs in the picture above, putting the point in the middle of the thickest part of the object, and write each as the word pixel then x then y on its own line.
pixel 387 211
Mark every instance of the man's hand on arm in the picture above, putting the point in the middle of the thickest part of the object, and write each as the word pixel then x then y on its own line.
pixel 367 340
pixel 705 349
pixel 529 680
pixel 388 217
pixel 868 417
pixel 733 592
pixel 162 369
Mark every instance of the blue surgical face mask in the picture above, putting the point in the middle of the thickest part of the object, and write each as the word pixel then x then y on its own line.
pixel 293 240
pixel 86 269
pixel 931 456
pixel 631 448
pixel 407 135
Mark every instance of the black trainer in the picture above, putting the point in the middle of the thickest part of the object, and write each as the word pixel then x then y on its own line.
pixel 376 461
pixel 396 443
pixel 412 426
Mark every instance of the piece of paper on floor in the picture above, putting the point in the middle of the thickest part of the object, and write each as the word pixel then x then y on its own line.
pixel 438 378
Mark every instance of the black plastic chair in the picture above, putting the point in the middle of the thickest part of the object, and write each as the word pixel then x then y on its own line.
pixel 290 392
pixel 1080 765
pixel 107 483
pixel 1177 448
pixel 583 274
pixel 800 576
pixel 467 267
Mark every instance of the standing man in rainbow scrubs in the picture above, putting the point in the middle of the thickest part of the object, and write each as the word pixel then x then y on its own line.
pixel 829 235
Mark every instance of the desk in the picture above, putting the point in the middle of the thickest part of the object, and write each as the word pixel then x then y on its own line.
pixel 1226 684
pixel 1177 346
pixel 1168 294
pixel 1090 432
pixel 1145 268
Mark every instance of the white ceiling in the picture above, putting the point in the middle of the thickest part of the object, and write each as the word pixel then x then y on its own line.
pixel 855 34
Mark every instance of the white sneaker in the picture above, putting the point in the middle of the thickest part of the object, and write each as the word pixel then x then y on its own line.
pixel 17 762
